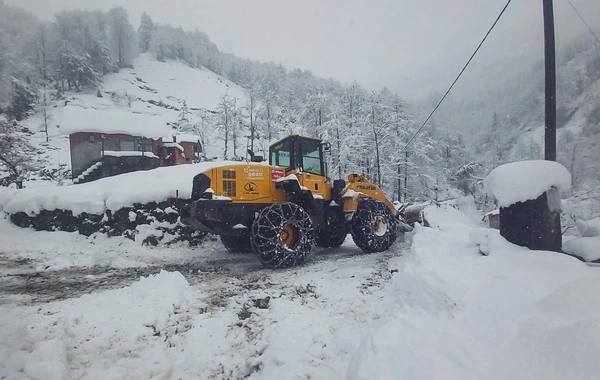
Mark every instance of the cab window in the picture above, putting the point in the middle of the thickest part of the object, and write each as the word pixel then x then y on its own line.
pixel 281 155
pixel 311 157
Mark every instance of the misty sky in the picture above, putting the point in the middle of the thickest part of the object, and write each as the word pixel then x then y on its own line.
pixel 411 46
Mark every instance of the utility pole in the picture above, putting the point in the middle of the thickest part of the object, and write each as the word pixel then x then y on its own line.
pixel 550 70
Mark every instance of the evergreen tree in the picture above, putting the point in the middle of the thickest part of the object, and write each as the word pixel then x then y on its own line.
pixel 121 36
pixel 145 32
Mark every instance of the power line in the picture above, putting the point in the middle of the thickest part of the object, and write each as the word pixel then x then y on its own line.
pixel 583 20
pixel 458 77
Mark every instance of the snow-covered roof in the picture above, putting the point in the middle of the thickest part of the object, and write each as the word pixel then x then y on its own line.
pixel 77 118
pixel 526 180
pixel 184 138
pixel 493 212
pixel 173 145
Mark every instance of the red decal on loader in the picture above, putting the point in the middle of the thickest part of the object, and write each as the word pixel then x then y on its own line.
pixel 276 174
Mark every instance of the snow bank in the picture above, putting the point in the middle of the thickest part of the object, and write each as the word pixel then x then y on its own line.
pixel 587 248
pixel 588 228
pixel 525 180
pixel 446 216
pixel 111 193
pixel 488 240
pixel 99 335
pixel 453 314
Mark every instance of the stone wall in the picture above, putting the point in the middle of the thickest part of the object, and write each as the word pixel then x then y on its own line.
pixel 152 223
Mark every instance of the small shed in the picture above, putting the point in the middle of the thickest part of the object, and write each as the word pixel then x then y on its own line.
pixel 180 149
pixel 528 193
pixel 493 219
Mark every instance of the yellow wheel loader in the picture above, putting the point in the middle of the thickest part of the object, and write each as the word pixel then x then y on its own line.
pixel 278 211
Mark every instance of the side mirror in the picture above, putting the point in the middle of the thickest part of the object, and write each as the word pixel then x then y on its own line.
pixel 254 157
pixel 326 147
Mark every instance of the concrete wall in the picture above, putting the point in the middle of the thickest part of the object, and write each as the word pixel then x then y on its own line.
pixel 85 151
pixel 118 165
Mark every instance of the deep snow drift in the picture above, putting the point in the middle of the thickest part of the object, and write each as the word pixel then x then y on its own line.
pixel 438 309
pixel 110 193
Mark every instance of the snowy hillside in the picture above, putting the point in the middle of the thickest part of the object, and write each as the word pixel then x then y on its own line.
pixel 146 100
pixel 172 82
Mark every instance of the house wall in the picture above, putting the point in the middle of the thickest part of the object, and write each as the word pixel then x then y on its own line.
pixel 86 150
pixel 87 147
pixel 494 220
pixel 188 149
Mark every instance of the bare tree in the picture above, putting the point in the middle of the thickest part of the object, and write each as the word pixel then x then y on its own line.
pixel 223 113
pixel 44 109
pixel 251 111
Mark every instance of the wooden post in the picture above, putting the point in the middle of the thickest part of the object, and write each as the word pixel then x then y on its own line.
pixel 550 65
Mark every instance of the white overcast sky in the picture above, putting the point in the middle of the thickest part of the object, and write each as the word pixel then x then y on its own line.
pixel 411 46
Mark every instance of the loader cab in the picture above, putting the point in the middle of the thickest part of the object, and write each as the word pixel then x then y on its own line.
pixel 301 153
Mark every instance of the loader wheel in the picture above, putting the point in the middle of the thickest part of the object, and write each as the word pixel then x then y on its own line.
pixel 237 244
pixel 373 226
pixel 282 235
pixel 331 237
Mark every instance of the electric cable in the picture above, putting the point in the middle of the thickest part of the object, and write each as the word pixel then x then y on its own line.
pixel 458 77
pixel 583 20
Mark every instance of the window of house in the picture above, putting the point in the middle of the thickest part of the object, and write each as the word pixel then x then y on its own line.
pixel 144 145
pixel 127 145
pixel 110 145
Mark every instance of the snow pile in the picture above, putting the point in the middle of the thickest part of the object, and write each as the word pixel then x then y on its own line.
pixel 489 240
pixel 98 335
pixel 291 177
pixel 526 180
pixel 588 228
pixel 586 248
pixel 446 216
pixel 451 313
pixel 111 193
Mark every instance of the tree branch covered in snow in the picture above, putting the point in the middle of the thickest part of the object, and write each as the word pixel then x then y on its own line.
pixel 16 155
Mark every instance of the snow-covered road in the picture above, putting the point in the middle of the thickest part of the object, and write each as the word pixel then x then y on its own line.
pixel 434 310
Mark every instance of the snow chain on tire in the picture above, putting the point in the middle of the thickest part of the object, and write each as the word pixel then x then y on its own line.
pixel 278 220
pixel 370 214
